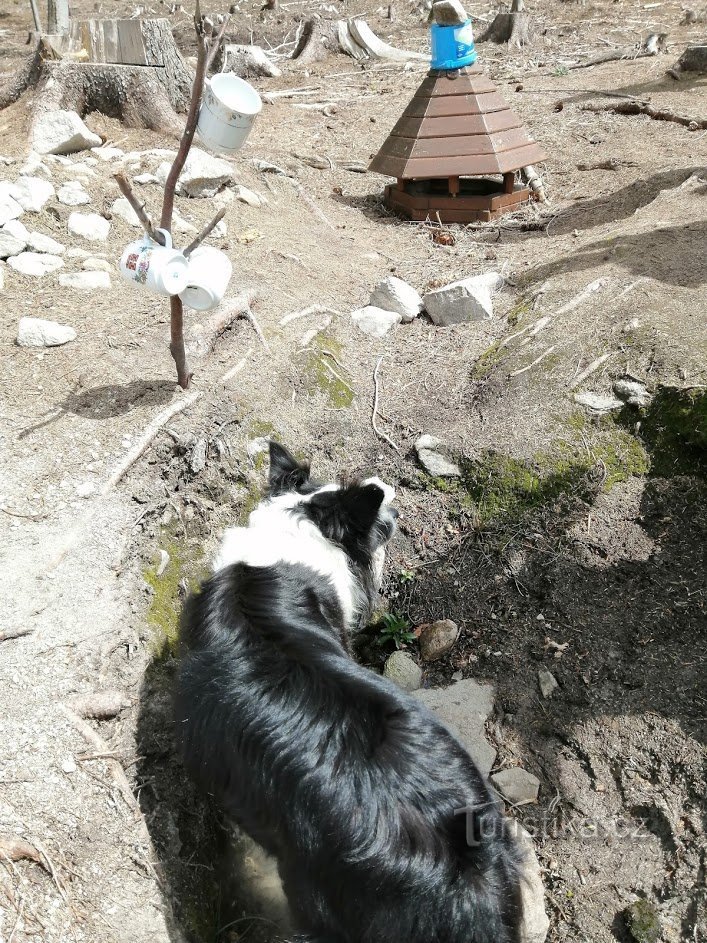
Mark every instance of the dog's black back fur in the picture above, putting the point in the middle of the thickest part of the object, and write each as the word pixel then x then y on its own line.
pixel 351 784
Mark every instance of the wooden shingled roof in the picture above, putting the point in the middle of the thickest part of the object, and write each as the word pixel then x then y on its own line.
pixel 456 125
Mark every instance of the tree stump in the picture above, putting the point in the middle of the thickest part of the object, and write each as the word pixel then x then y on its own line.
pixel 129 69
pixel 317 40
pixel 515 28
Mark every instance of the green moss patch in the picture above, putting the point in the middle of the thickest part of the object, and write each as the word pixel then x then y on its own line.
pixel 643 921
pixel 324 372
pixel 674 430
pixel 166 602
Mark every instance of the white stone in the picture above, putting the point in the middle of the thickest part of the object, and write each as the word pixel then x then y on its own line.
pixel 122 208
pixel 179 224
pixel 517 785
pixel 85 281
pixel 202 176
pixel 598 402
pixel 404 671
pixel 72 193
pixel 534 923
pixel 633 392
pixel 36 332
pixel 429 451
pixel 548 683
pixel 38 242
pixel 108 153
pixel 96 265
pixel 9 208
pixel 59 159
pixel 34 165
pixel 62 132
pixel 6 161
pixel 68 765
pixel 146 178
pixel 35 263
pixel 393 294
pixel 10 245
pixel 86 489
pixel 90 226
pixel 32 193
pixel 375 321
pixel 245 195
pixel 469 299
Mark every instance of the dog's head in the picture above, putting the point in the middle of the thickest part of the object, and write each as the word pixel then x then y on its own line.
pixel 357 517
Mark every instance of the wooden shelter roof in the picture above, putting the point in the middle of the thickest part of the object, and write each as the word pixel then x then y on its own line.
pixel 456 125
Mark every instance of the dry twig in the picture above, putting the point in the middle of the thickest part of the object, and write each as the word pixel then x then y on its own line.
pixel 205 232
pixel 644 108
pixel 140 211
pixel 543 355
pixel 378 432
pixel 592 368
pixel 14 633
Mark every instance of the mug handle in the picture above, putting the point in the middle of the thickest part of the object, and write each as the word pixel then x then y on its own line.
pixel 167 238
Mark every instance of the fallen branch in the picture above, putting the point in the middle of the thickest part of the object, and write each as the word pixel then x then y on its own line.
pixel 592 368
pixel 643 108
pixel 101 705
pixel 139 207
pixel 205 232
pixel 378 432
pixel 306 312
pixel 229 374
pixel 534 181
pixel 17 849
pixel 203 337
pixel 543 355
pixel 653 44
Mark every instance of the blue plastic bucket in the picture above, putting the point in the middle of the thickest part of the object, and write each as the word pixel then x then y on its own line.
pixel 452 46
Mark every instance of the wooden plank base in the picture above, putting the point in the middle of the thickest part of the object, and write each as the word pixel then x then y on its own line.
pixel 454 209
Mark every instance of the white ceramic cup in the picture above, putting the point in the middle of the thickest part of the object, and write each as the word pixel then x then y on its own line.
pixel 208 277
pixel 161 269
pixel 228 110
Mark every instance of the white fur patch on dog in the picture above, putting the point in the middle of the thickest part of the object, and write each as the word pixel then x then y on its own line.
pixel 274 535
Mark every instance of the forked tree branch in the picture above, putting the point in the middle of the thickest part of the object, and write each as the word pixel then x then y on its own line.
pixel 140 211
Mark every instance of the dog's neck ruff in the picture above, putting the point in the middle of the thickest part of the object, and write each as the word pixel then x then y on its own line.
pixel 277 534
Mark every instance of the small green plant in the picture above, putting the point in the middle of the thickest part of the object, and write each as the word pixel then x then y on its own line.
pixel 561 70
pixel 396 629
pixel 406 576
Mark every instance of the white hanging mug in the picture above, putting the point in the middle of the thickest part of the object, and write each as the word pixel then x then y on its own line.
pixel 208 276
pixel 228 110
pixel 161 269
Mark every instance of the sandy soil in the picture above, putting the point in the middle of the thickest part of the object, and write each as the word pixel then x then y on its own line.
pixel 583 531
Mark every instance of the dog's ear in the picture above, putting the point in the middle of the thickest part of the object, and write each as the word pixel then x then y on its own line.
pixel 361 504
pixel 346 511
pixel 286 473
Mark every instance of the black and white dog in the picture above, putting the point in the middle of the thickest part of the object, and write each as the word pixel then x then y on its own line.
pixel 383 828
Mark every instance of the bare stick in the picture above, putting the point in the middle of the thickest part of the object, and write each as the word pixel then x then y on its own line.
pixel 176 341
pixel 203 337
pixel 205 232
pixel 644 108
pixel 592 368
pixel 229 374
pixel 14 633
pixel 17 849
pixel 378 432
pixel 543 355
pixel 139 208
pixel 117 772
pixel 147 438
pixel 35 16
pixel 256 327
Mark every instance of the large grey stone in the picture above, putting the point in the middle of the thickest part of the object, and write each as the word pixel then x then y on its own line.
pixel 534 922
pixel 38 242
pixel 36 332
pixel 394 294
pixel 437 638
pixel 404 671
pixel 122 208
pixel 469 299
pixel 375 321
pixel 517 785
pixel 202 176
pixel 35 263
pixel 464 708
pixel 62 132
pixel 90 226
pixel 10 245
pixel 72 193
pixel 431 454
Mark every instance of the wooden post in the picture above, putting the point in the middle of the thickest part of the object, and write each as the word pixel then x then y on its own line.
pixel 454 186
pixel 58 17
pixel 509 181
pixel 401 185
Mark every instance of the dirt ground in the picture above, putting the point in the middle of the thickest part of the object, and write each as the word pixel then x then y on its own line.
pixel 565 530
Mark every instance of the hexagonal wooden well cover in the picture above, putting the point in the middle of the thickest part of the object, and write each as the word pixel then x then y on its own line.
pixel 457 127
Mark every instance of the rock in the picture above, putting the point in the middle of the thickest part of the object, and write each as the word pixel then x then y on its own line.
pixel 90 226
pixel 466 300
pixel 246 61
pixel 375 321
pixel 86 488
pixel 402 670
pixel 251 197
pixel 437 638
pixel 108 153
pixel 122 208
pixel 257 447
pixel 265 167
pixel 597 402
pixel 85 281
pixel 9 208
pixel 179 224
pixel 32 193
pixel 92 264
pixel 643 921
pixel 33 165
pixel 58 159
pixel 72 193
pixel 145 179
pixel 693 59
pixel 203 175
pixel 10 245
pixel 548 683
pixel 101 705
pixel 631 325
pixel 449 13
pixel 429 451
pixel 534 921
pixel 38 242
pixel 197 459
pixel 35 263
pixel 68 765
pixel 517 785
pixel 464 708
pixel 632 392
pixel 62 132
pixel 163 563
pixel 393 294
pixel 36 332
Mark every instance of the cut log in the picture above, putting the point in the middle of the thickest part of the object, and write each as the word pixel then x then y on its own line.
pixel 694 59
pixel 245 61
pixel 651 46
pixel 515 28
pixel 317 40
pixel 127 69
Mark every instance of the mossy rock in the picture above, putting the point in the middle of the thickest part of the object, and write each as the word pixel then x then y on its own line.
pixel 643 921
pixel 324 373
pixel 674 429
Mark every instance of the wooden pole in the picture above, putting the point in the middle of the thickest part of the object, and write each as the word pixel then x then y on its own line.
pixel 58 17
pixel 35 16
